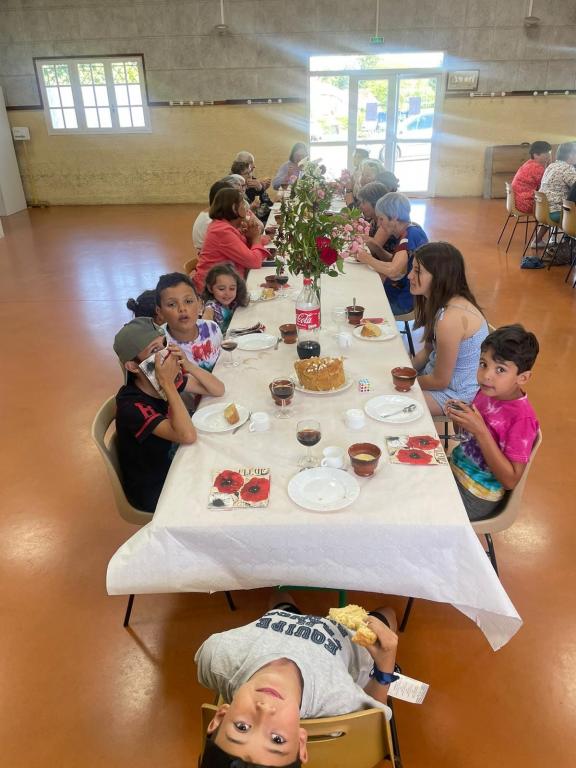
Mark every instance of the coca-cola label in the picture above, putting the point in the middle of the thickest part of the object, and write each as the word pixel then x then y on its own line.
pixel 308 319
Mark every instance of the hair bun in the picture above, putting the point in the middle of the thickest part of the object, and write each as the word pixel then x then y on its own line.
pixel 132 305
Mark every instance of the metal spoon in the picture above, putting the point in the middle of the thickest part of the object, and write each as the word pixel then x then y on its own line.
pixel 241 425
pixel 407 409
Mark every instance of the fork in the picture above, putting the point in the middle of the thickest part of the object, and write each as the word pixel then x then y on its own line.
pixel 241 425
pixel 407 409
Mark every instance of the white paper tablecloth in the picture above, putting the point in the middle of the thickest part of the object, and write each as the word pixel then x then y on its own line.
pixel 408 534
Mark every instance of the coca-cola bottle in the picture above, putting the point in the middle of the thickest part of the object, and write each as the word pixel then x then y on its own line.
pixel 308 321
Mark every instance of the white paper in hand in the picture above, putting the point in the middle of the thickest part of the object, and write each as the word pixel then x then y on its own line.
pixel 408 689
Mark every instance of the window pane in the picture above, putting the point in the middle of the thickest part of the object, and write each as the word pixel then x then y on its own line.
pixel 85 74
pixel 91 118
pixel 132 73
pixel 105 117
pixel 121 95
pixel 329 108
pixel 70 118
pixel 372 109
pixel 98 74
pixel 66 96
pixel 57 118
pixel 53 97
pixel 101 95
pixel 334 158
pixel 62 74
pixel 88 96
pixel 135 94
pixel 118 73
pixel 49 74
pixel 124 117
pixel 138 117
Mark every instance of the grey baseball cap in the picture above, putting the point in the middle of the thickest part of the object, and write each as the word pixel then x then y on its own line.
pixel 135 336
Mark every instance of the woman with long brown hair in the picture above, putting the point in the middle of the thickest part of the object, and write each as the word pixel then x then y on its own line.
pixel 453 323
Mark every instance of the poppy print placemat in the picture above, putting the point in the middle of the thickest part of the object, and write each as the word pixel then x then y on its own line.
pixel 418 450
pixel 240 488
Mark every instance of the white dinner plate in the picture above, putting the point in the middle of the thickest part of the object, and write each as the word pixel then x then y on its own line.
pixel 387 333
pixel 253 342
pixel 351 260
pixel 211 418
pixel 347 384
pixel 377 407
pixel 257 296
pixel 323 489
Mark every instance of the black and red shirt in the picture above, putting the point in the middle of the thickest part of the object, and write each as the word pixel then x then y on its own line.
pixel 144 457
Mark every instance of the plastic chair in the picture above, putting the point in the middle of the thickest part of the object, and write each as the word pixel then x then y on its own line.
pixel 109 452
pixel 189 267
pixel 407 319
pixel 499 522
pixel 357 740
pixel 514 213
pixel 542 215
pixel 569 230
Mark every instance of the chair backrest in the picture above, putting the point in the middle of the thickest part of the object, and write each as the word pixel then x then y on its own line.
pixel 569 218
pixel 358 740
pixel 511 509
pixel 511 200
pixel 542 210
pixel 190 265
pixel 109 452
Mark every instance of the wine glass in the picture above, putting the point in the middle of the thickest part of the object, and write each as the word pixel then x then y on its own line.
pixel 282 281
pixel 229 345
pixel 308 433
pixel 282 390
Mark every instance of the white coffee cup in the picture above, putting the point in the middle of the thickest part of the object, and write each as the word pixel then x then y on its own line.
pixel 259 422
pixel 344 340
pixel 333 457
pixel 354 418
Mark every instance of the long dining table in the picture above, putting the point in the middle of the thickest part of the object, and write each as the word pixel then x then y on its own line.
pixel 406 534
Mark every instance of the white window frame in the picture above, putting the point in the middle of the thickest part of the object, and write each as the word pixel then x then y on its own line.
pixel 107 61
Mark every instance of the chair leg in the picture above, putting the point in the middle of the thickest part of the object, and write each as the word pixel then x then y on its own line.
pixel 491 553
pixel 534 234
pixel 526 231
pixel 128 611
pixel 230 602
pixel 406 616
pixel 504 227
pixel 396 758
pixel 512 235
pixel 342 598
pixel 409 337
pixel 572 260
pixel 556 250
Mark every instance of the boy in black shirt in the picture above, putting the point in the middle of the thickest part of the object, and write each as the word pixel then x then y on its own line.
pixel 146 424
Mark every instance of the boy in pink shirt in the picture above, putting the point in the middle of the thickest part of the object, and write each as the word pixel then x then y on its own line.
pixel 500 426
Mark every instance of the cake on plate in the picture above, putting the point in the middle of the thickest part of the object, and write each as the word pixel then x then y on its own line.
pixel 320 374
pixel 370 330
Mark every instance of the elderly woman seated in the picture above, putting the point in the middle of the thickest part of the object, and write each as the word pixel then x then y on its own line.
pixel 289 171
pixel 255 190
pixel 232 237
pixel 372 171
pixel 393 215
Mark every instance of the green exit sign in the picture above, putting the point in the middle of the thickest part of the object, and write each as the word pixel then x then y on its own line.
pixel 377 40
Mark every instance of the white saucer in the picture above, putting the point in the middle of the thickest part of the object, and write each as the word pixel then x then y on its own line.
pixel 211 418
pixel 387 333
pixel 253 342
pixel 323 489
pixel 377 407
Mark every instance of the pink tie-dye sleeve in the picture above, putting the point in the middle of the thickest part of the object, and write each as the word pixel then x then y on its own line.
pixel 520 439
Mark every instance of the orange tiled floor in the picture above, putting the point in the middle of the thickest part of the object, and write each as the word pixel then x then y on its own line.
pixel 78 691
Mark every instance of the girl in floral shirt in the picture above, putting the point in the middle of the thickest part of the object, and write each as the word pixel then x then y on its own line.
pixel 225 290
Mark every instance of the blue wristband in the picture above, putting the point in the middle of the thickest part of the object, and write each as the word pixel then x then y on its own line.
pixel 384 678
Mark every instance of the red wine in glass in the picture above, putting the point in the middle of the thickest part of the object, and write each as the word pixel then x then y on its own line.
pixel 282 391
pixel 229 346
pixel 308 433
pixel 282 280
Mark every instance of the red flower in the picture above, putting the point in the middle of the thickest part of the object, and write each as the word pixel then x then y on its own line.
pixel 228 481
pixel 413 456
pixel 255 489
pixel 327 254
pixel 423 441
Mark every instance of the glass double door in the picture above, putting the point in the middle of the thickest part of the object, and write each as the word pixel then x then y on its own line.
pixel 392 117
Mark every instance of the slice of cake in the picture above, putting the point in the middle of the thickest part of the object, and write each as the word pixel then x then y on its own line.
pixel 320 374
pixel 370 330
pixel 354 617
pixel 231 414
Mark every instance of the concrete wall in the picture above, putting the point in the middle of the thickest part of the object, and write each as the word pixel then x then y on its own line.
pixel 266 56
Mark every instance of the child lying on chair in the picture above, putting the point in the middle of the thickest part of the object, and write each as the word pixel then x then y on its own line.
pixel 284 667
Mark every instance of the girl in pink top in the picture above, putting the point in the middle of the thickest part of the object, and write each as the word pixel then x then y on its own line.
pixel 231 237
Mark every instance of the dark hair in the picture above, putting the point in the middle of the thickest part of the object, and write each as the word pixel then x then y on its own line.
pixel 295 148
pixel 242 296
pixel 372 192
pixel 216 757
pixel 169 281
pixel 216 187
pixel 224 202
pixel 446 265
pixel 539 148
pixel 512 343
pixel 144 305
pixel 239 167
pixel 565 150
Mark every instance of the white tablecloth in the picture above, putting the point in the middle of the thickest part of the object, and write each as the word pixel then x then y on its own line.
pixel 408 534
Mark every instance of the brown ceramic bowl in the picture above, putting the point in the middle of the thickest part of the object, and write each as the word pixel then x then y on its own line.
pixel 289 333
pixel 364 458
pixel 403 378
pixel 279 217
pixel 355 314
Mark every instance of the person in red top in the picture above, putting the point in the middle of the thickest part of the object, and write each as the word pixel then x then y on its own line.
pixel 231 237
pixel 529 175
